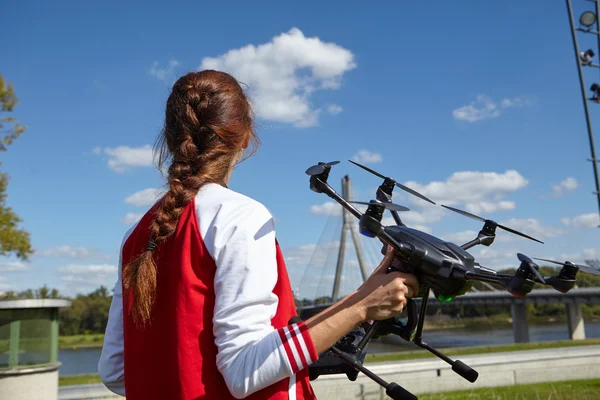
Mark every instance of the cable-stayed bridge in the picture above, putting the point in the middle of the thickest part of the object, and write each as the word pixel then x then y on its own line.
pixel 342 260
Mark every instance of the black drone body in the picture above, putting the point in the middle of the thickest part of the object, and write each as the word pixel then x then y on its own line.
pixel 436 262
pixel 443 268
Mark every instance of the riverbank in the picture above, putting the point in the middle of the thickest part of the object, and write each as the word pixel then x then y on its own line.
pixel 494 321
pixel 84 379
pixel 75 342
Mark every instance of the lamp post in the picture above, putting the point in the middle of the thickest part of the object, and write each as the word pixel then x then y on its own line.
pixel 587 19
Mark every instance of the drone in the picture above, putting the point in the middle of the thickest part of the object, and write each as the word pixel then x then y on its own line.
pixel 442 268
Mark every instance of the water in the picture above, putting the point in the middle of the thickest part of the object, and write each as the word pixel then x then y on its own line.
pixel 84 361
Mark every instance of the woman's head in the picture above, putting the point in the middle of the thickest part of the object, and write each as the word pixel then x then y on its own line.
pixel 208 125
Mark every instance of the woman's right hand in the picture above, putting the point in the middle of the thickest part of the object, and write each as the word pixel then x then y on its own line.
pixel 385 294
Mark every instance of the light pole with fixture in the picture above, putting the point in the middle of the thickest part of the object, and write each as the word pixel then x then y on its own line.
pixel 587 20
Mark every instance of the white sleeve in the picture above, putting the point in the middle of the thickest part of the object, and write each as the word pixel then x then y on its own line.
pixel 111 363
pixel 251 353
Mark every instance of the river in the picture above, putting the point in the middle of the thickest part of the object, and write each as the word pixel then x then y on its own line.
pixel 84 361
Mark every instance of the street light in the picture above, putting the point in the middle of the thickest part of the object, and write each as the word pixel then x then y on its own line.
pixel 596 92
pixel 587 19
pixel 586 57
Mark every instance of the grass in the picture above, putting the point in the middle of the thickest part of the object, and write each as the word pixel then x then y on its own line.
pixel 568 390
pixel 80 341
pixel 80 379
pixel 462 351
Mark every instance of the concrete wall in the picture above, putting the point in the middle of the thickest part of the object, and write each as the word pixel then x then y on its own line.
pixel 38 384
pixel 428 376
pixel 501 369
pixel 87 392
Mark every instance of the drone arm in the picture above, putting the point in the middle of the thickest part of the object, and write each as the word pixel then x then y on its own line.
pixel 384 194
pixel 484 237
pixel 476 276
pixel 376 227
pixel 329 191
pixel 458 366
pixel 471 243
pixel 396 218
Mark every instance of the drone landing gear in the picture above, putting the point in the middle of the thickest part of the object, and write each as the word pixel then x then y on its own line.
pixel 458 366
pixel 392 389
pixel 348 359
pixel 348 354
pixel 412 331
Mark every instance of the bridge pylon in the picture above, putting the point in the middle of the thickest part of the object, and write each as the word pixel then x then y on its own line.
pixel 348 225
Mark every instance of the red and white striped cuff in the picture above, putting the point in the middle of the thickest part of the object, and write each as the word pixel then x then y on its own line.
pixel 298 345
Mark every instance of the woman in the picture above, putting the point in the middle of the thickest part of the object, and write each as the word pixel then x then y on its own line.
pixel 202 304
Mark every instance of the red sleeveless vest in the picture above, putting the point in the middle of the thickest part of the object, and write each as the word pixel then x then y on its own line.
pixel 174 357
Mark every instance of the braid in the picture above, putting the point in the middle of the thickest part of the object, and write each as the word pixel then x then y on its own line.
pixel 203 144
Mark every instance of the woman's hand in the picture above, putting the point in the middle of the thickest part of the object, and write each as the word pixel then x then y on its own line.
pixel 384 294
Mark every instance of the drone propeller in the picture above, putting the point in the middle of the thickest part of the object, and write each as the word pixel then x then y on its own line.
pixel 583 268
pixel 475 217
pixel 388 206
pixel 320 168
pixel 405 188
pixel 532 266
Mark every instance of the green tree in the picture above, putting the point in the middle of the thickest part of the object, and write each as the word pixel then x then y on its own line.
pixel 13 239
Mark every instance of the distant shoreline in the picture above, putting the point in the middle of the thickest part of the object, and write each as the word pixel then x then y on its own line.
pixel 91 341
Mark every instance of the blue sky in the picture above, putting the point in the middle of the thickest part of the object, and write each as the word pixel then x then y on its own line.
pixel 476 104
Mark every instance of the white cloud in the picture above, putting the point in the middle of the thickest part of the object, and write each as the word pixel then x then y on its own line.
pixel 301 255
pixel 327 208
pixel 122 158
pixel 418 219
pixel 14 266
pixel 490 255
pixel 478 192
pixel 89 275
pixel 496 259
pixel 591 220
pixel 487 207
pixel 131 218
pixel 282 74
pixel 71 252
pixel 531 227
pixel 333 208
pixel 166 74
pixel 461 237
pixel 334 109
pixel 145 198
pixel 4 285
pixel 582 257
pixel 565 185
pixel 367 157
pixel 483 107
